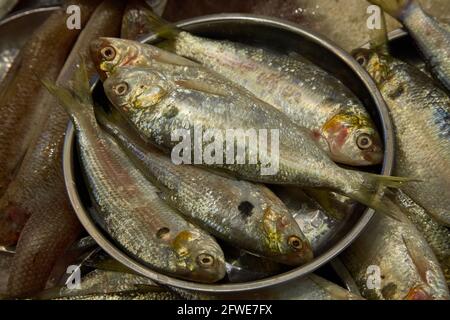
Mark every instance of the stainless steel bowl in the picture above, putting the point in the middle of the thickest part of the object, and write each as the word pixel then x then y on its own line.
pixel 276 35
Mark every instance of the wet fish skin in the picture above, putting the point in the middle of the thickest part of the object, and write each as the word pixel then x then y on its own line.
pixel 437 236
pixel 135 21
pixel 318 225
pixel 165 98
pixel 155 233
pixel 431 36
pixel 421 116
pixel 129 295
pixel 408 268
pixel 39 187
pixel 245 214
pixel 21 108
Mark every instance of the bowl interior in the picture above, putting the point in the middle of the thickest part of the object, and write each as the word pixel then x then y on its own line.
pixel 285 38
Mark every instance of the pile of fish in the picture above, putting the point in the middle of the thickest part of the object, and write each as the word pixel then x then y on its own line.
pixel 220 221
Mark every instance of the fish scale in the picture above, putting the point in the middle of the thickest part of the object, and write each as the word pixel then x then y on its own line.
pixel 128 205
pixel 215 202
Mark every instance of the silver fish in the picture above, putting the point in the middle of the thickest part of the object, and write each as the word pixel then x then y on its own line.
pixel 391 260
pixel 431 36
pixel 421 116
pixel 244 214
pixel 129 206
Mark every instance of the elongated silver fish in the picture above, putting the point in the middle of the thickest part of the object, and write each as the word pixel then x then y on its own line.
pixel 391 260
pixel 308 95
pixel 431 36
pixel 167 100
pixel 437 236
pixel 245 214
pixel 129 206
pixel 421 115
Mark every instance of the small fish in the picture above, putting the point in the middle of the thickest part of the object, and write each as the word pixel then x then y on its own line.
pixel 437 236
pixel 166 98
pixel 39 190
pixel 22 107
pixel 431 36
pixel 309 95
pixel 128 206
pixel 244 214
pixel 392 261
pixel 420 112
pixel 309 287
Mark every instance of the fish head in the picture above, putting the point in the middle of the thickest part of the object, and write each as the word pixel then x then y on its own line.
pixel 132 90
pixel 353 139
pixel 283 238
pixel 108 54
pixel 200 258
pixel 376 63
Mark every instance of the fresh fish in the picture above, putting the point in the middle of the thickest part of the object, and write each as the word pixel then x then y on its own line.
pixel 391 260
pixel 431 36
pixel 308 95
pixel 318 226
pixel 129 295
pixel 420 113
pixel 39 190
pixel 102 282
pixel 129 206
pixel 166 98
pixel 437 236
pixel 23 109
pixel 310 287
pixel 244 214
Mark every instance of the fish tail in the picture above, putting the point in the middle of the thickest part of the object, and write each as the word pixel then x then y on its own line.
pixel 395 8
pixel 373 193
pixel 161 27
pixel 76 99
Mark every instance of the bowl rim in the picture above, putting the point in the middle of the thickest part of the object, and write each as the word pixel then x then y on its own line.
pixel 279 279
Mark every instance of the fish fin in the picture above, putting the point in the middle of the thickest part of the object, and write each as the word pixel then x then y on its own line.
pixel 395 8
pixel 76 99
pixel 161 27
pixel 373 194
pixel 201 86
pixel 322 197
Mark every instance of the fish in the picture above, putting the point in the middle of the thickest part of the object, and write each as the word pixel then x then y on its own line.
pixel 23 109
pixel 39 191
pixel 167 100
pixel 309 287
pixel 318 225
pixel 244 214
pixel 420 113
pixel 436 235
pixel 392 261
pixel 102 282
pixel 5 270
pixel 431 36
pixel 128 206
pixel 310 96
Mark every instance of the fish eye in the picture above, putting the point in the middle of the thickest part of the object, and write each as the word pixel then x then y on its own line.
pixel 121 88
pixel 295 242
pixel 361 59
pixel 364 141
pixel 108 53
pixel 205 260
